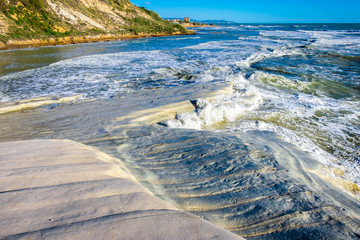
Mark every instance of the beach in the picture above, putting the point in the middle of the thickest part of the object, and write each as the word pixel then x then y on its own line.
pixel 18 44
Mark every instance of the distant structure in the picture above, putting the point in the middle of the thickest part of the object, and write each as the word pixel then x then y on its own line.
pixel 186 19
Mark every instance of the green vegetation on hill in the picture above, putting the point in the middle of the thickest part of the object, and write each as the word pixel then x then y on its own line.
pixel 39 19
pixel 30 19
pixel 142 25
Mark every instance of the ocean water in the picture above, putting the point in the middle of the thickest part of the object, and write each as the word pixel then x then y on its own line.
pixel 294 83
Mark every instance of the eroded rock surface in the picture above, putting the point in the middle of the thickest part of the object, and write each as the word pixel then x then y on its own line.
pixel 53 189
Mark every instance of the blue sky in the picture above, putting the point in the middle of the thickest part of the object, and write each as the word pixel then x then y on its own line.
pixel 259 11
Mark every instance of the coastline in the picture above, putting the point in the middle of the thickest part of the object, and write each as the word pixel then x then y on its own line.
pixel 250 159
pixel 19 44
pixel 193 25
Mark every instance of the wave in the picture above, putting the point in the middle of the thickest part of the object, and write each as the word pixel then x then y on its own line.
pixel 267 53
pixel 223 108
pixel 323 126
pixel 103 75
pixel 286 34
pixel 330 39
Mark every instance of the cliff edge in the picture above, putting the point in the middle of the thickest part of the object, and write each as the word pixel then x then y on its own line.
pixel 70 21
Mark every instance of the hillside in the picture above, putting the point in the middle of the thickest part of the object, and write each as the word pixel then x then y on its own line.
pixel 58 19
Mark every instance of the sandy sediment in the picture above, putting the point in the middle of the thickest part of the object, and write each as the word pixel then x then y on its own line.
pixel 60 189
pixel 17 44
pixel 33 103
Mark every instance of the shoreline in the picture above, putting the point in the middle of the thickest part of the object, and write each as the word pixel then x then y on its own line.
pixel 193 25
pixel 20 44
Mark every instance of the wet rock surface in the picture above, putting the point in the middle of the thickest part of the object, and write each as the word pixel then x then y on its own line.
pixel 253 184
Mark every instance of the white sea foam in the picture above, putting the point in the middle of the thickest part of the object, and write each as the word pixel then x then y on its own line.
pixel 223 108
pixel 4 97
pixel 261 102
pixel 335 40
pixel 285 34
pixel 280 82
pixel 213 45
pixel 311 122
pixel 269 26
pixel 351 169
pixel 181 38
pixel 303 142
pixel 105 75
pixel 267 53
pixel 94 76
pixel 250 26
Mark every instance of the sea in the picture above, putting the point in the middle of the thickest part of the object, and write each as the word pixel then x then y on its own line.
pixel 294 87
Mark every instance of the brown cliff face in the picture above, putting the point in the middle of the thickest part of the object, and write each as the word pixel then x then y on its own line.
pixel 46 19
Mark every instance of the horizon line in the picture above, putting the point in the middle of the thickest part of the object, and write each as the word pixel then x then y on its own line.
pixel 264 22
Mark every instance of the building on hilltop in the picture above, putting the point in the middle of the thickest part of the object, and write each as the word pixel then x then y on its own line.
pixel 186 19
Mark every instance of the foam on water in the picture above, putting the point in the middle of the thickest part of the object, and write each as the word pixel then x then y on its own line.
pixel 223 108
pixel 106 75
pixel 302 112
pixel 286 34
pixel 267 53
pixel 298 116
pixel 343 42
pixel 317 112
pixel 99 75
pixel 184 38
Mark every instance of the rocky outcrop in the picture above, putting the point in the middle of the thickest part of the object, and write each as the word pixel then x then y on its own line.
pixel 60 189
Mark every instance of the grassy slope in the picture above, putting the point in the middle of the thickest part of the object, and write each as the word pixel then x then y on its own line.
pixel 29 19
